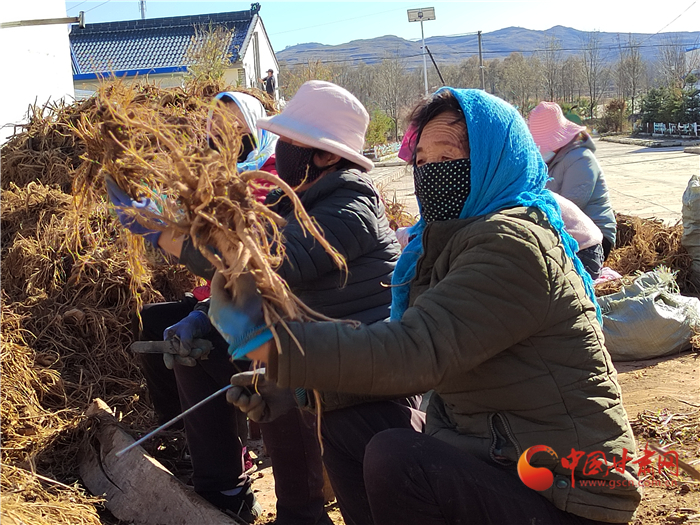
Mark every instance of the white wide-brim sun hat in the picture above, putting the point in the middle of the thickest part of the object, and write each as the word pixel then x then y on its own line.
pixel 324 116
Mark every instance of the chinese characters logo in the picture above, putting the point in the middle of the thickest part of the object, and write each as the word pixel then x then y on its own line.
pixel 596 467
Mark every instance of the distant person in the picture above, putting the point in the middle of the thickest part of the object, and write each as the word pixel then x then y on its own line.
pixel 575 173
pixel 269 82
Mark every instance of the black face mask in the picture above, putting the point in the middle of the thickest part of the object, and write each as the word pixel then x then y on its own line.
pixel 247 143
pixel 442 188
pixel 295 163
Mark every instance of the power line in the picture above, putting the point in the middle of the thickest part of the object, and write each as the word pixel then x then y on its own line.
pixel 664 27
pixel 93 8
pixel 81 3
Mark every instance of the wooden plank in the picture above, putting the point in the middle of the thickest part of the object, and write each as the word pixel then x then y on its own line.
pixel 137 488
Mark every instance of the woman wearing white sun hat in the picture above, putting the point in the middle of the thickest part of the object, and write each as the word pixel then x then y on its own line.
pixel 575 173
pixel 319 153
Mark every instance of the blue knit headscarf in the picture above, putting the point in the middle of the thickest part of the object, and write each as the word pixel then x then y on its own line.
pixel 506 171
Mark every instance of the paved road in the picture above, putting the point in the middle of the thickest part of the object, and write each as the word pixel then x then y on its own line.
pixel 648 182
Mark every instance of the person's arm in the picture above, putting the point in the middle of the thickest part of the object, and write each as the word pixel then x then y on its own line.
pixel 194 260
pixel 580 179
pixel 349 223
pixel 495 295
pixel 171 242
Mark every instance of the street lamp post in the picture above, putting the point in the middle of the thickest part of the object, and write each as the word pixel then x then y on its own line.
pixel 421 15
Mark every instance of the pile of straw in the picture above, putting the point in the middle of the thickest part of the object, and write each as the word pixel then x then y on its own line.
pixel 69 290
pixel 643 245
pixel 396 212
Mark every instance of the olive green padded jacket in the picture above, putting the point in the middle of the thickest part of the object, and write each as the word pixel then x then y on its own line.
pixel 500 326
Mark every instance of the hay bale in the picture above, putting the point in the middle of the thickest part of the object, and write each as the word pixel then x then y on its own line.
pixel 68 295
pixel 645 244
pixel 39 500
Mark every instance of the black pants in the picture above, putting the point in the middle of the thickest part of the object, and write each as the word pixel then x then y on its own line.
pixel 346 433
pixel 412 478
pixel 217 431
pixel 592 259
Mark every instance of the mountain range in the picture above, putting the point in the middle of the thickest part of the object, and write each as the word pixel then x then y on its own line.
pixel 497 44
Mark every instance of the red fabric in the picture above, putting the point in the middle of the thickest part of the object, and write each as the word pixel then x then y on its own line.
pixel 264 187
pixel 202 292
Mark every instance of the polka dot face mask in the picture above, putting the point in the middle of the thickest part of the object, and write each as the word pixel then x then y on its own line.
pixel 442 188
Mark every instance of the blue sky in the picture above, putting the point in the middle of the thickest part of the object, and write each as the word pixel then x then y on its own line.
pixel 328 22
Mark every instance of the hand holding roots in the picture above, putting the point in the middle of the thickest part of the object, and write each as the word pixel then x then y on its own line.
pixel 153 152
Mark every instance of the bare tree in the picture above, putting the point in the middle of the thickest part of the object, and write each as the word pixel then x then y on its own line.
pixel 595 72
pixel 551 68
pixel 673 64
pixel 520 80
pixel 392 89
pixel 359 80
pixel 293 77
pixel 494 77
pixel 463 75
pixel 631 72
pixel 572 78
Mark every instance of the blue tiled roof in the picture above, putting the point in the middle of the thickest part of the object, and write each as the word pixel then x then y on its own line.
pixel 155 45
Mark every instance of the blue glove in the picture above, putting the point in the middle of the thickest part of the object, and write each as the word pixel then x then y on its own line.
pixel 183 334
pixel 238 319
pixel 122 201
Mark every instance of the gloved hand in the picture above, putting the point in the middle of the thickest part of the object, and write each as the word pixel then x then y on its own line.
pixel 182 335
pixel 238 319
pixel 121 201
pixel 263 406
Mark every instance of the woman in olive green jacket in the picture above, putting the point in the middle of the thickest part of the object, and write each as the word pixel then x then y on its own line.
pixel 493 310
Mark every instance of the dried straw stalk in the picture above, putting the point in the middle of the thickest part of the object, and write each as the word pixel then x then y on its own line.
pixel 153 154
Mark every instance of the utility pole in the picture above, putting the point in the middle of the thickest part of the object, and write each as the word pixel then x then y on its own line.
pixel 425 62
pixel 142 7
pixel 481 64
pixel 419 15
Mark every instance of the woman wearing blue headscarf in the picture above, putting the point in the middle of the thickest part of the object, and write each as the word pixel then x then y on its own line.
pixel 494 312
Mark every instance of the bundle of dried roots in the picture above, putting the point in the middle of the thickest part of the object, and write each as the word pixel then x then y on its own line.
pixel 155 154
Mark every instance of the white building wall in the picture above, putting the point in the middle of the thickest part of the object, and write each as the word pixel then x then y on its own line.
pixel 266 54
pixel 35 61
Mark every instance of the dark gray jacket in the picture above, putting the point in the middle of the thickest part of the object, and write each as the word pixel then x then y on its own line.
pixel 351 215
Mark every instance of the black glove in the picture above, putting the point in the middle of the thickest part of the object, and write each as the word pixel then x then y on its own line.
pixel 263 406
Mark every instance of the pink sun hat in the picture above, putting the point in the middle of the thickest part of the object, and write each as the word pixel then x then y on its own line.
pixel 550 128
pixel 324 116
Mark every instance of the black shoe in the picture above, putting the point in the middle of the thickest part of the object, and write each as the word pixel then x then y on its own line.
pixel 243 505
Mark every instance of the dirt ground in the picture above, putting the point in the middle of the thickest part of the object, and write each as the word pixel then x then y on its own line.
pixel 661 395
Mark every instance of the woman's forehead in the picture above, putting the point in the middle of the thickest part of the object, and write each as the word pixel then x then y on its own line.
pixel 443 130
